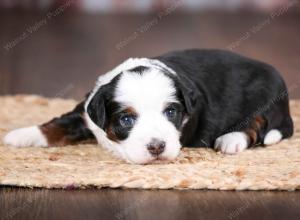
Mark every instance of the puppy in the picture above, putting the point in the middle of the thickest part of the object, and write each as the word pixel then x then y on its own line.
pixel 146 109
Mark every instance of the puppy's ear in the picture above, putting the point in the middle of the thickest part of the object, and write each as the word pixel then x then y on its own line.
pixel 188 93
pixel 96 108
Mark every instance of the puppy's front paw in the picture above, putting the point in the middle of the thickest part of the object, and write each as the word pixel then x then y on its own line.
pixel 25 137
pixel 232 143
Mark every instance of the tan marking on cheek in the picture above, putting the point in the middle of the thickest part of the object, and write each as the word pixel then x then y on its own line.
pixel 109 131
pixel 130 111
pixel 110 134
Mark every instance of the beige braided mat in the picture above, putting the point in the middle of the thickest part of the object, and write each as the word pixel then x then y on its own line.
pixel 275 167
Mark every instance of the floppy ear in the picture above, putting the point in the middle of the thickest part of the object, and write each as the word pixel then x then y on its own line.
pixel 96 108
pixel 189 93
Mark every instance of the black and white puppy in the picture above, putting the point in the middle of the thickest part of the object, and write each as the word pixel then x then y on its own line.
pixel 146 109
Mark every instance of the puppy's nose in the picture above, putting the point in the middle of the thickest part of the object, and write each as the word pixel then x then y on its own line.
pixel 156 147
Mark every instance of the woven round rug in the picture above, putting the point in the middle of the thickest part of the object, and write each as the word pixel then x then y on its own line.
pixel 274 167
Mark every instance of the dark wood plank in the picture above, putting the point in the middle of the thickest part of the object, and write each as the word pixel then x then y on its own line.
pixel 147 204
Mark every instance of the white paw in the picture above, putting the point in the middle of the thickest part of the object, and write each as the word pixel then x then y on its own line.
pixel 232 143
pixel 272 137
pixel 26 137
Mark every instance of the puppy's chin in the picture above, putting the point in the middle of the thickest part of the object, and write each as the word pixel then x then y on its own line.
pixel 151 160
pixel 161 160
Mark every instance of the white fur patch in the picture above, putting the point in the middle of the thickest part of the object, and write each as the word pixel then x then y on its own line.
pixel 232 143
pixel 26 137
pixel 273 137
pixel 150 90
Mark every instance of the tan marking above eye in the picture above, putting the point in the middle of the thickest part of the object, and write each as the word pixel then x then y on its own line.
pixel 130 111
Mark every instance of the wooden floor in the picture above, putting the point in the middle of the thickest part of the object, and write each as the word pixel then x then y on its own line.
pixel 146 204
pixel 61 56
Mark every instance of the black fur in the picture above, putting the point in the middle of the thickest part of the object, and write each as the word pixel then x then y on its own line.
pixel 115 112
pixel 139 69
pixel 178 115
pixel 224 92
pixel 106 113
pixel 70 128
pixel 98 106
pixel 220 92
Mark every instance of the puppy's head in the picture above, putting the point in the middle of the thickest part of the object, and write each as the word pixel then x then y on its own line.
pixel 142 112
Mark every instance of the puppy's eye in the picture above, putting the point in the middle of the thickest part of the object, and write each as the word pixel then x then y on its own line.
pixel 170 112
pixel 127 121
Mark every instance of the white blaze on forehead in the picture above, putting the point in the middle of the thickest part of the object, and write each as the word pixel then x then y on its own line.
pixel 150 90
pixel 126 65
